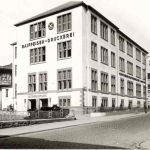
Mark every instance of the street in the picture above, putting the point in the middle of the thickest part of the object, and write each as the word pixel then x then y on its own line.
pixel 120 134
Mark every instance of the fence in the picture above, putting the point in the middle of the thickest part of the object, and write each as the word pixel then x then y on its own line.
pixel 11 115
pixel 20 115
pixel 48 114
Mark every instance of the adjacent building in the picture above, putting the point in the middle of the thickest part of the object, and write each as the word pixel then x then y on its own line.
pixel 76 58
pixel 6 91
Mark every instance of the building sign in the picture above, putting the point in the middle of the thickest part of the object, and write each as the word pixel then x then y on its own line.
pixel 49 40
pixel 37 96
pixel 5 79
pixel 51 26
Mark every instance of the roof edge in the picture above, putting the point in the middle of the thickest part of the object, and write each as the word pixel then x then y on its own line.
pixel 40 17
pixel 127 37
pixel 101 16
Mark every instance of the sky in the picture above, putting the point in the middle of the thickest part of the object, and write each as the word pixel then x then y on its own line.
pixel 131 16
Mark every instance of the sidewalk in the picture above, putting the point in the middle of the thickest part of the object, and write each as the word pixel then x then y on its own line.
pixel 56 125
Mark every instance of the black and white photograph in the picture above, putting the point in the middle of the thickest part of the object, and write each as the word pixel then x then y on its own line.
pixel 75 74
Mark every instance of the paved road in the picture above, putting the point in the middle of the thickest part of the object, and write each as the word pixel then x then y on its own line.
pixel 124 133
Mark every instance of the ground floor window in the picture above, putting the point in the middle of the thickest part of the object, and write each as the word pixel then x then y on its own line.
pixel 104 102
pixel 94 101
pixel 138 104
pixel 130 104
pixel 122 103
pixel 113 102
pixel 65 101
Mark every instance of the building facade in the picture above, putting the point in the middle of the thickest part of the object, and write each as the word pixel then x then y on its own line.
pixel 76 58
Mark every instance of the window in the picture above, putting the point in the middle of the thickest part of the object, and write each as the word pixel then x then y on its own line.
pixel 104 55
pixel 143 58
pixel 112 37
pixel 121 64
pixel 64 49
pixel 144 74
pixel 138 55
pixel 37 55
pixel 94 80
pixel 64 23
pixel 121 44
pixel 15 90
pixel 65 101
pixel 129 49
pixel 129 68
pixel 104 102
pixel 15 52
pixel 113 60
pixel 93 51
pixel 122 103
pixel 104 82
pixel 94 101
pixel 15 70
pixel 144 91
pixel 64 79
pixel 37 30
pixel 113 102
pixel 138 72
pixel 93 24
pixel 130 104
pixel 148 86
pixel 130 88
pixel 113 84
pixel 122 86
pixel 32 82
pixel 42 81
pixel 148 75
pixel 104 31
pixel 6 92
pixel 138 90
pixel 138 104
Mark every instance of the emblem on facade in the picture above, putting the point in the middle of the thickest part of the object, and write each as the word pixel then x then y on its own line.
pixel 51 26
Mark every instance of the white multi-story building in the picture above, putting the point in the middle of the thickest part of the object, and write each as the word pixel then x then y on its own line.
pixel 74 57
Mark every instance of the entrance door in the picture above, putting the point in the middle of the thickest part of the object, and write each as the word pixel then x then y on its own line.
pixel 33 104
pixel 44 102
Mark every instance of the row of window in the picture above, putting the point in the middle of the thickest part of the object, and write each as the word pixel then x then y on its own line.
pixel 65 101
pixel 105 84
pixel 104 102
pixel 104 60
pixel 104 55
pixel 104 35
pixel 103 30
pixel 38 30
pixel 64 80
pixel 38 55
pixel 130 68
pixel 32 82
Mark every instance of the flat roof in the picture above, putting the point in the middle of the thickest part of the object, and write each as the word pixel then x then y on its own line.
pixel 71 5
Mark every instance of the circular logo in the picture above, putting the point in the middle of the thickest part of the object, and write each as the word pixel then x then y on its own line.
pixel 51 26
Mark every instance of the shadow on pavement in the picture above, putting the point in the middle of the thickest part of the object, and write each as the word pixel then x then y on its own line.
pixel 34 143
